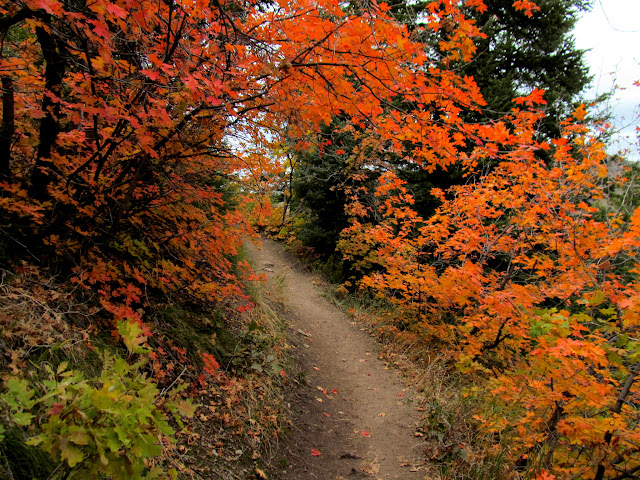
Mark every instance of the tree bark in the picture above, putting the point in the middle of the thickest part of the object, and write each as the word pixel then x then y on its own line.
pixel 53 53
pixel 8 127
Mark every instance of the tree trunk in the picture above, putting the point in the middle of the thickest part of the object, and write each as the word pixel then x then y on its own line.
pixel 44 170
pixel 8 127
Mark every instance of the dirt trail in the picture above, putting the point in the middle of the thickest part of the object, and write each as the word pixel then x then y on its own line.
pixel 353 410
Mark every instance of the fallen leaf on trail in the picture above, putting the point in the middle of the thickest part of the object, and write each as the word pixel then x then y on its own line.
pixel 315 453
pixel 371 468
pixel 326 414
pixel 261 473
pixel 334 391
pixel 364 433
pixel 320 400
pixel 316 368
pixel 401 394
pixel 382 414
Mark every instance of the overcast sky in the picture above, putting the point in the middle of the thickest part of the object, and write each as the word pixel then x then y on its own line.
pixel 611 31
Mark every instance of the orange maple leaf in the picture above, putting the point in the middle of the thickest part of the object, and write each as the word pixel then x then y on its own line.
pixel 210 363
pixel 534 98
pixel 526 5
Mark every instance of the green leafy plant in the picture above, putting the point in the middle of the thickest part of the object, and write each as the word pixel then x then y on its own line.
pixel 114 425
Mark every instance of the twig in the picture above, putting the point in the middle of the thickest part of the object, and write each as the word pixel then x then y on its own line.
pixel 171 385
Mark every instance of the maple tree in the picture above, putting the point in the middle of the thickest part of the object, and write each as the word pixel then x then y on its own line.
pixel 128 115
pixel 518 52
pixel 517 277
pixel 509 58
pixel 129 123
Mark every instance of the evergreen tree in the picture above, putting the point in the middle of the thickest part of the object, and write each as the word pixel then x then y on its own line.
pixel 521 52
pixel 518 54
pixel 319 184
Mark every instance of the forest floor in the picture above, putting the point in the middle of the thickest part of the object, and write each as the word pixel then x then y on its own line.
pixel 353 417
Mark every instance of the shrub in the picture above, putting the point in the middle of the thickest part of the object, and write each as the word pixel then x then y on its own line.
pixel 114 425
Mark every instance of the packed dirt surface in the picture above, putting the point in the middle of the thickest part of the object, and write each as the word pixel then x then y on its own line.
pixel 352 414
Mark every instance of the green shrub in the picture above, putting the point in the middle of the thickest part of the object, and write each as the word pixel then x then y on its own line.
pixel 111 426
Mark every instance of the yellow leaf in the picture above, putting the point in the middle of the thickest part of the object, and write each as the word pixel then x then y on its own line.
pixel 72 454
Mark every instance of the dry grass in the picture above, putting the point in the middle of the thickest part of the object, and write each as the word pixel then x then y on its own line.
pixel 38 318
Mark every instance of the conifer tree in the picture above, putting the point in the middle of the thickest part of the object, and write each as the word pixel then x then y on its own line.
pixel 519 53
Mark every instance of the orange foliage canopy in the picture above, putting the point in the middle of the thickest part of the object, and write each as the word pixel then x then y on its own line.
pixel 132 117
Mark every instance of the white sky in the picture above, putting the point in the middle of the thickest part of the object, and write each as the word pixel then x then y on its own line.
pixel 611 31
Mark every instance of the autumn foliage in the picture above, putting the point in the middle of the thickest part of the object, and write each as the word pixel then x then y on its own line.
pixel 129 119
pixel 138 138
pixel 526 280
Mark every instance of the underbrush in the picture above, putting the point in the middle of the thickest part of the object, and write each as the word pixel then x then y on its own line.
pixel 243 413
pixel 200 396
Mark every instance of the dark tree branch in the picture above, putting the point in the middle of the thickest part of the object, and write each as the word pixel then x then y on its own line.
pixel 7 128
pixel 617 408
pixel 7 21
pixel 53 53
pixel 628 474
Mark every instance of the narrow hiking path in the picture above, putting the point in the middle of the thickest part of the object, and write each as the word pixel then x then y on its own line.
pixel 352 418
